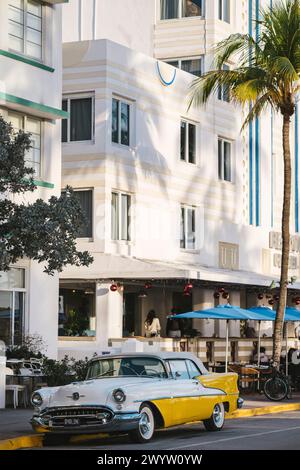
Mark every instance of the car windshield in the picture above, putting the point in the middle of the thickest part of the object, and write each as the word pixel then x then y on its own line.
pixel 145 367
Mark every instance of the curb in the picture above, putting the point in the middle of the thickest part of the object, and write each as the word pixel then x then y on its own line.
pixel 22 442
pixel 36 440
pixel 263 410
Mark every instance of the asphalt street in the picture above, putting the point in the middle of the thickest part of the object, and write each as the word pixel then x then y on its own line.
pixel 271 432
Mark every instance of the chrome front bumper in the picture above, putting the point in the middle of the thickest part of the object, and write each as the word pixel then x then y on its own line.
pixel 120 422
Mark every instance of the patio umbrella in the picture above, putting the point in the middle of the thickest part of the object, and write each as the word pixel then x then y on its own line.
pixel 224 312
pixel 291 315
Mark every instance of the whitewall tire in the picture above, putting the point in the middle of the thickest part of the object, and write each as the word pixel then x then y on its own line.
pixel 217 419
pixel 146 428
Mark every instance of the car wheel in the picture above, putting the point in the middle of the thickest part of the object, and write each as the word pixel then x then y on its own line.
pixel 146 428
pixel 216 421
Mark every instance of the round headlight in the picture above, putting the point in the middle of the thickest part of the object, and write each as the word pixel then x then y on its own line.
pixel 119 395
pixel 36 399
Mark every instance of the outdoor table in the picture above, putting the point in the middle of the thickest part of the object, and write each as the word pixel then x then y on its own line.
pixel 29 381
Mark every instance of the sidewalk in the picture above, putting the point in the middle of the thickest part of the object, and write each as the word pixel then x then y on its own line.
pixel 16 431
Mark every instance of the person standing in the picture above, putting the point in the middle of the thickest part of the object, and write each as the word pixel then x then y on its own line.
pixel 152 325
pixel 173 326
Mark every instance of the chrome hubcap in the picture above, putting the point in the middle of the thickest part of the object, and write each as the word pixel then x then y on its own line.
pixel 217 415
pixel 146 426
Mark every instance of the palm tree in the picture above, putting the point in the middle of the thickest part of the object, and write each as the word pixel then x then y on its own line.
pixel 267 75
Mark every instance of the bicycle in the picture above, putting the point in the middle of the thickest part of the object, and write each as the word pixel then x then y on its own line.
pixel 277 387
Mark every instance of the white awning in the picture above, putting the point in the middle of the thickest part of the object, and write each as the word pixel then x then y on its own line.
pixel 114 267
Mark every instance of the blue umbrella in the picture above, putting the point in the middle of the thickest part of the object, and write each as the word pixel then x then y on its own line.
pixel 225 312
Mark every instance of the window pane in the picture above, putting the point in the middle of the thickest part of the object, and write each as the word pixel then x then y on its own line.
pixel 125 127
pixel 6 317
pixel 34 22
pixel 16 121
pixel 193 66
pixel 114 216
pixel 192 143
pixel 226 10
pixel 64 123
pixel 17 3
pixel 192 8
pixel 193 369
pixel 18 318
pixel 16 44
pixel 220 9
pixel 183 140
pixel 175 63
pixel 125 217
pixel 227 161
pixel 179 370
pixel 12 279
pixel 34 50
pixel 16 15
pixel 81 119
pixel 86 202
pixel 34 7
pixel 182 228
pixel 191 229
pixel 115 120
pixel 220 159
pixel 169 9
pixel 16 29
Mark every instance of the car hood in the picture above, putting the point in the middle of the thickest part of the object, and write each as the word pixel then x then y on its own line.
pixel 96 391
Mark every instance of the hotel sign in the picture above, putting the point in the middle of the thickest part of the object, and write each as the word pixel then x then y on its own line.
pixel 275 243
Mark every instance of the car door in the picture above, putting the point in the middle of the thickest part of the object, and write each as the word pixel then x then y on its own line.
pixel 185 391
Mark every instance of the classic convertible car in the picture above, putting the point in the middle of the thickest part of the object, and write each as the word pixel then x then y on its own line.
pixel 137 393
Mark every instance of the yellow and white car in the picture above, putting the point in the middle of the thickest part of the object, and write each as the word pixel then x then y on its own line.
pixel 137 394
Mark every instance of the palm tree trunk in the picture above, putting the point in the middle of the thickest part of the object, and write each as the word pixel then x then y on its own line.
pixel 286 210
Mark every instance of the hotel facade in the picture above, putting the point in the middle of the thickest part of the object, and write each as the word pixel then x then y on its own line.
pixel 183 209
pixel 30 98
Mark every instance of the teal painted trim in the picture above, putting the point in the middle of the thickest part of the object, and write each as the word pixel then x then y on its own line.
pixel 43 184
pixel 26 60
pixel 58 113
pixel 257 134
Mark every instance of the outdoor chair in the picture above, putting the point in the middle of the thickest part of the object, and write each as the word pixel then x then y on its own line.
pixel 16 389
pixel 249 379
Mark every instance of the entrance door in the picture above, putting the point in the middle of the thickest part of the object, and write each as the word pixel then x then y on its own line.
pixel 129 314
pixel 183 304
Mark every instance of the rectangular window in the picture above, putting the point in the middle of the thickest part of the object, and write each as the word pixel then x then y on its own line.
pixel 224 160
pixel 193 65
pixel 188 142
pixel 223 91
pixel 80 126
pixel 120 216
pixel 76 310
pixel 86 201
pixel 120 125
pixel 33 126
pixel 25 27
pixel 172 9
pixel 188 228
pixel 12 296
pixel 224 10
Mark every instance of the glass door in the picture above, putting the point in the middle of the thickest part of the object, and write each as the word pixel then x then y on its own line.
pixel 6 308
pixel 11 317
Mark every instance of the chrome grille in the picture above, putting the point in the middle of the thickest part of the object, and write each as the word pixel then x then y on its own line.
pixel 86 415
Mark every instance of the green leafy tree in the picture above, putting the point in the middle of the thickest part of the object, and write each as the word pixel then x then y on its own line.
pixel 42 231
pixel 267 75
